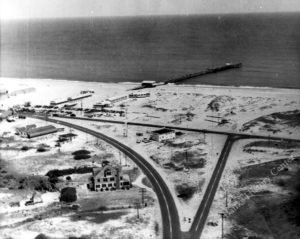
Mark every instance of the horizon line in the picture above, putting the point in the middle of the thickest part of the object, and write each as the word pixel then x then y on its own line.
pixel 147 15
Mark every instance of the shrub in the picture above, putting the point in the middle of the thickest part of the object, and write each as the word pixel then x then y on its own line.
pixel 185 191
pixel 68 195
pixel 24 148
pixel 80 152
pixel 82 156
pixel 41 149
pixel 41 236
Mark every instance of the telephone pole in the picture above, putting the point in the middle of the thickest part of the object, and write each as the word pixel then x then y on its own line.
pixel 126 124
pixel 222 226
pixel 142 191
pixel 137 205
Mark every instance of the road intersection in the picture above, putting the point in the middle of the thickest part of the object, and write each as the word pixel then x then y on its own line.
pixel 171 224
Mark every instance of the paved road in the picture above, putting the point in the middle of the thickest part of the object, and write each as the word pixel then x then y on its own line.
pixel 204 208
pixel 170 219
pixel 202 213
pixel 206 131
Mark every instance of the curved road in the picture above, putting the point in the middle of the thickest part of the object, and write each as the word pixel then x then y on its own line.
pixel 170 219
pixel 171 225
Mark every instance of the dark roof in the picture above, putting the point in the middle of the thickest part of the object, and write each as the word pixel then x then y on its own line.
pixel 41 131
pixel 162 131
pixel 68 135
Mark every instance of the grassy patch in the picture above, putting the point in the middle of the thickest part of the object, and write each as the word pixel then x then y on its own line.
pixel 191 159
pixel 273 144
pixel 289 118
pixel 146 182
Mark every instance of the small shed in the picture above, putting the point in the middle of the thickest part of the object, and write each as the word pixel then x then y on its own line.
pixel 68 136
pixel 148 83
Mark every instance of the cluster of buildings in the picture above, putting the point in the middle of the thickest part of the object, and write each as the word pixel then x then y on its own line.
pixel 113 100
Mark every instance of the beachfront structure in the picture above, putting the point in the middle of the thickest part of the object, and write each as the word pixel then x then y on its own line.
pixel 70 99
pixel 103 104
pixel 163 134
pixel 109 178
pixel 139 95
pixel 116 99
pixel 148 83
pixel 40 131
pixel 22 131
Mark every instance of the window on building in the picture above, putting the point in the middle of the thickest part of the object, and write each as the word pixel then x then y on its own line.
pixel 114 184
pixel 104 185
pixel 97 186
pixel 104 179
pixel 126 183
pixel 121 177
pixel 108 173
pixel 112 179
pixel 98 180
pixel 109 185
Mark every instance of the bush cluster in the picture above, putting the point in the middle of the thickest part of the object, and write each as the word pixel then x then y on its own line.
pixel 81 154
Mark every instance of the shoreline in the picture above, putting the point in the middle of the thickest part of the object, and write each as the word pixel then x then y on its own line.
pixel 174 85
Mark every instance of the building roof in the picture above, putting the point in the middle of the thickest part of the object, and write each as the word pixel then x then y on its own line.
pixel 96 171
pixel 68 135
pixel 30 126
pixel 41 131
pixel 162 131
pixel 20 129
pixel 148 82
pixel 26 128
pixel 116 98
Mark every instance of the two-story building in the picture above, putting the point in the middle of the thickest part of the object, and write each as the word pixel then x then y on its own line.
pixel 109 178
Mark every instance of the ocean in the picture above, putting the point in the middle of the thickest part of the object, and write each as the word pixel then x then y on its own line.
pixel 132 49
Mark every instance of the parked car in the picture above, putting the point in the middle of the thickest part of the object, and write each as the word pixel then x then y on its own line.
pixel 28 203
pixel 145 140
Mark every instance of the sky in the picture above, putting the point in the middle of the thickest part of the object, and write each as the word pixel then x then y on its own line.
pixel 27 9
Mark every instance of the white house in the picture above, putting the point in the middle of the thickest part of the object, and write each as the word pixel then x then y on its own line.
pixel 163 134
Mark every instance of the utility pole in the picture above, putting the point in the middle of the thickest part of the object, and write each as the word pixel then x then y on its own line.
pixel 222 226
pixel 70 134
pixel 186 156
pixel 120 158
pixel 126 124
pixel 226 198
pixel 137 205
pixel 142 191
